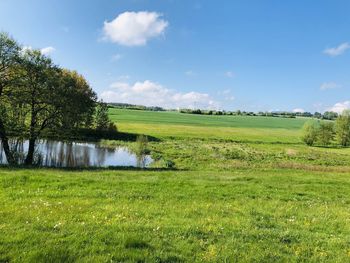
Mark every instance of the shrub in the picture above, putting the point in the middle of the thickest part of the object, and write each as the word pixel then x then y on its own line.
pixel 310 133
pixel 342 126
pixel 325 132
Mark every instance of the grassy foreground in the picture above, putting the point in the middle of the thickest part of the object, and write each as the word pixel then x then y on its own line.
pixel 110 216
pixel 245 191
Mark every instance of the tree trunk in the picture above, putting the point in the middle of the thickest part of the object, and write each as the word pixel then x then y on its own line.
pixel 30 155
pixel 9 155
pixel 5 144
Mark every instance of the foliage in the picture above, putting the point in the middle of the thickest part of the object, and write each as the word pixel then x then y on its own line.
pixel 36 96
pixel 310 133
pixel 342 126
pixel 102 121
pixel 9 57
pixel 325 132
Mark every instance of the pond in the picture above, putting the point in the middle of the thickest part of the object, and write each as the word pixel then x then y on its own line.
pixel 77 154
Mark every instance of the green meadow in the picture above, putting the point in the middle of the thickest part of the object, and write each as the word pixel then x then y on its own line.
pixel 221 189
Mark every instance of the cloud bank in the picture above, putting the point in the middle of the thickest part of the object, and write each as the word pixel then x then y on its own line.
pixel 149 93
pixel 339 107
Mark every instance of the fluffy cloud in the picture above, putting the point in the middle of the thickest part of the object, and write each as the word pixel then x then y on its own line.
pixel 339 107
pixel 329 85
pixel 298 110
pixel 149 93
pixel 336 51
pixel 47 50
pixel 134 28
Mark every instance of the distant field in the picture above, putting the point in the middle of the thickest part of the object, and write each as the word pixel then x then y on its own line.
pixel 233 128
pixel 176 118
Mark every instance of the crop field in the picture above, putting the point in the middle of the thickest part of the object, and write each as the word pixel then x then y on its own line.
pixel 221 189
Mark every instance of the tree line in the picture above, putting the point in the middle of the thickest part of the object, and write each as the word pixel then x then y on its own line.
pixel 39 98
pixel 326 133
pixel 328 115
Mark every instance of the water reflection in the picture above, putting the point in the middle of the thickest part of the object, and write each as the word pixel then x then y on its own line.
pixel 75 154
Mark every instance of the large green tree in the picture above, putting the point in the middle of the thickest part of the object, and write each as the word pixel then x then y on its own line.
pixel 9 57
pixel 37 96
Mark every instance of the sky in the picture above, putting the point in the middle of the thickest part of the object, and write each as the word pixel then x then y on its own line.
pixel 252 55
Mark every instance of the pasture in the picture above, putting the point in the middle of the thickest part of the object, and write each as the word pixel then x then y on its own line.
pixel 243 189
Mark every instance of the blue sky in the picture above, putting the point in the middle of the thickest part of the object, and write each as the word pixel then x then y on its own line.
pixel 250 55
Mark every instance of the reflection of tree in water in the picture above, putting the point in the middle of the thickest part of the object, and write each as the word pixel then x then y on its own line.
pixel 70 154
pixel 141 160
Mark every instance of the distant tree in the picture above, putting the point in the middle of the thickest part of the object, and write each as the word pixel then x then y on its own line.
pixel 325 132
pixel 310 133
pixel 330 115
pixel 317 115
pixel 342 127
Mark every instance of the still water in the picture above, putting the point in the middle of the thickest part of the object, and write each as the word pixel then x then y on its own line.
pixel 77 154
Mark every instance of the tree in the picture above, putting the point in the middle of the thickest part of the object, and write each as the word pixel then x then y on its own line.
pixel 80 109
pixel 102 120
pixel 317 115
pixel 55 98
pixel 9 54
pixel 310 132
pixel 342 127
pixel 325 132
pixel 330 115
pixel 37 96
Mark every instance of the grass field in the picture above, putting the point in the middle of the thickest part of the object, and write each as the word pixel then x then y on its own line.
pixel 245 189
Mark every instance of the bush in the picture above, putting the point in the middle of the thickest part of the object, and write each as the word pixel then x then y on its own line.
pixel 342 126
pixel 325 132
pixel 310 133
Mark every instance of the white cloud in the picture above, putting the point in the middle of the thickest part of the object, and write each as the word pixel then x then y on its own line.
pixel 336 51
pixel 134 28
pixel 47 50
pixel 298 110
pixel 339 107
pixel 329 85
pixel 149 93
pixel 229 74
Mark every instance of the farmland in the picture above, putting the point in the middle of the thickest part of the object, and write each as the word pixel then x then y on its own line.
pixel 240 189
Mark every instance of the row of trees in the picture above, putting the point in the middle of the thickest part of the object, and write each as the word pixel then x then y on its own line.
pixel 325 132
pixel 328 115
pixel 37 97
